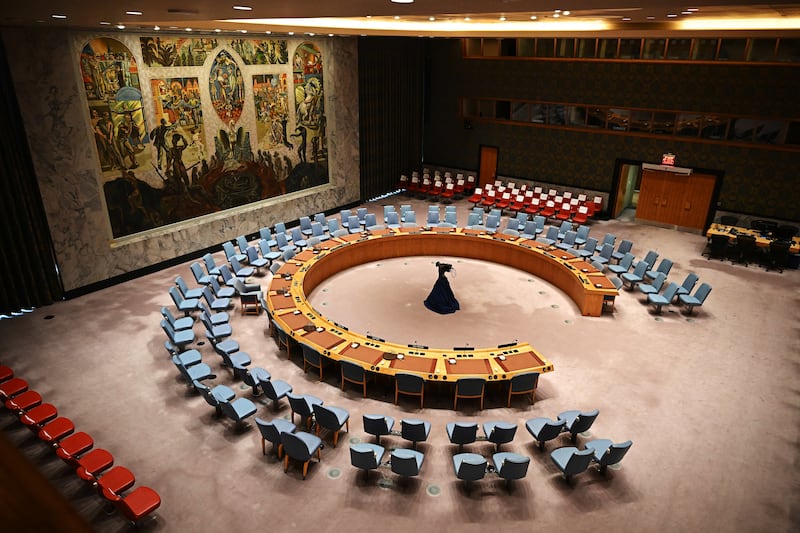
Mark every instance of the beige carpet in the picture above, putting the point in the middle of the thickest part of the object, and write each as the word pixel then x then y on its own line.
pixel 710 402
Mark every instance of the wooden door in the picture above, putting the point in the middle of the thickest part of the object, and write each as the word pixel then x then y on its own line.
pixel 650 195
pixel 696 200
pixel 487 166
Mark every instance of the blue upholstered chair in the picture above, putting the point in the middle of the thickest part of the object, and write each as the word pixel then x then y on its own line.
pixel 215 397
pixel 462 433
pixel 499 432
pixel 312 358
pixel 238 410
pixel 331 418
pixel 625 246
pixel 255 260
pixel 378 425
pixel 354 373
pixel 604 256
pixel 266 235
pixel 414 430
pixel 571 461
pixel 568 242
pixel 606 453
pixel 510 466
pixel 551 237
pixel 252 377
pixel 544 429
pixel 318 231
pixel 608 238
pixel 660 300
pixel 353 225
pixel 303 405
pixel 271 431
pixel 216 304
pixel 583 235
pixel 178 339
pixel 239 270
pixel 298 238
pixel 305 226
pixel 588 249
pixel 366 456
pixel 220 317
pixel 523 384
pixel 188 293
pixel 181 303
pixel 409 384
pixel 655 286
pixel 469 467
pixel 223 292
pixel 688 284
pixel 178 324
pixel 665 266
pixel 578 421
pixel 215 333
pixel 393 220
pixel 300 446
pixel 632 278
pixel 230 252
pixel 406 462
pixel 695 300
pixel 211 266
pixel 275 389
pixel 469 388
pixel 623 266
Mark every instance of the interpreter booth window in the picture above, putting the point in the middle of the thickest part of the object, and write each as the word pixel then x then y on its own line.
pixel 539 113
pixel 630 48
pixel 520 111
pixel 545 47
pixel 486 109
pixel 596 117
pixel 576 116
pixel 556 115
pixel 762 49
pixel 619 119
pixel 586 48
pixel 705 49
pixel 472 47
pixel 679 49
pixel 565 47
pixel 793 133
pixel 502 110
pixel 663 123
pixel 771 131
pixel 788 50
pixel 607 48
pixel 491 47
pixel 470 107
pixel 654 48
pixel 714 127
pixel 641 121
pixel 688 125
pixel 732 50
pixel 526 48
pixel 508 47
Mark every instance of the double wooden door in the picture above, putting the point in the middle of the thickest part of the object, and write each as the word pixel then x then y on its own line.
pixel 675 199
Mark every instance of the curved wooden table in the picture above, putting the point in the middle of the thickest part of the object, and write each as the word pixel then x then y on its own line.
pixel 287 304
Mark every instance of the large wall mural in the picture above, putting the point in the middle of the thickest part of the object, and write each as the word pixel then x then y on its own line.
pixel 207 143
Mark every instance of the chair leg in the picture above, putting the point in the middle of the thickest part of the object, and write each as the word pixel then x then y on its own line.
pixel 286 463
pixel 335 437
pixel 305 468
pixel 263 446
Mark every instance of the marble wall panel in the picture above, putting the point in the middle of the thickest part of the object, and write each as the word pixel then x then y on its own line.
pixel 46 74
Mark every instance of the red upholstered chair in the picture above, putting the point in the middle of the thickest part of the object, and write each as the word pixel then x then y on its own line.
pixel 436 190
pixel 24 401
pixel 56 430
pixel 114 482
pixel 39 416
pixel 69 449
pixel 489 199
pixel 5 373
pixel 565 212
pixel 138 504
pixel 581 216
pixel 503 202
pixel 549 209
pixel 534 206
pixel 93 463
pixel 476 197
pixel 12 387
pixel 448 193
pixel 459 188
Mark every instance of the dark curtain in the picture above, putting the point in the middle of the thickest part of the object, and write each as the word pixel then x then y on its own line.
pixel 390 105
pixel 29 276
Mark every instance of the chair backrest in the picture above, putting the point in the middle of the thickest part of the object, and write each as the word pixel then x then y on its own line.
pixel 552 233
pixel 689 282
pixel 413 429
pixel 565 226
pixel 590 246
pixel 665 266
pixel 288 254
pixel 658 282
pixel 433 217
pixel 530 228
pixel 296 447
pixel 583 232
pixel 252 255
pixel 470 386
pixel 311 355
pixel 472 468
pixel 584 421
pixel 182 286
pixel 376 424
pixel 702 292
pixel 669 292
pixel 579 461
pixel 406 462
pixel 345 215
pixel 524 382
pixel 464 433
pixel 370 220
pixel 363 457
pixel 610 238
pixel 265 233
pixel 626 261
pixel 229 250
pixel 333 225
pixel 361 213
pixel 410 383
pixel 320 217
pixel 305 223
pixel 268 430
pixel 317 230
pixel 411 217
pixel 550 430
pixel 569 237
pixel 392 218
pixel 474 219
pixel 353 372
pixel 208 260
pixel 197 272
pixel 177 297
pixel 607 250
pixel 281 239
pixel 615 453
pixel 325 417
pixel 299 404
pixel 640 268
pixel 513 466
pixel 241 242
pixel 651 257
pixel 492 222
pixel 297 235
pixel 451 217
pixel 502 432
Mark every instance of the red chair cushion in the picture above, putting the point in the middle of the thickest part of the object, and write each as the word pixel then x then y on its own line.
pixel 71 447
pixel 39 415
pixel 93 463
pixel 139 503
pixel 115 481
pixel 5 373
pixel 56 430
pixel 12 387
pixel 24 401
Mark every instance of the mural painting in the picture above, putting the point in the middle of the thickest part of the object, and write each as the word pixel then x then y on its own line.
pixel 174 52
pixel 261 51
pixel 157 164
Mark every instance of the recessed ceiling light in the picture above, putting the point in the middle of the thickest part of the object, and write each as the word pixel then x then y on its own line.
pixel 467 19
pixel 242 31
pixel 686 12
pixel 397 17
pixel 626 19
pixel 268 32
pixel 134 13
pixel 217 30
pixel 242 8
pixel 502 19
pixel 566 13
pixel 312 34
pixel 692 9
pixel 402 1
pixel 120 26
pixel 671 15
pixel 534 17
pixel 431 18
pixel 556 11
pixel 59 17
pixel 156 28
pixel 330 35
pixel 188 29
pixel 556 15
pixel 291 33
pixel 650 17
pixel 105 23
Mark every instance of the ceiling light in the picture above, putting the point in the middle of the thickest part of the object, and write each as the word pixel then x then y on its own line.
pixel 268 32
pixel 402 1
pixel 217 30
pixel 156 28
pixel 686 12
pixel 534 17
pixel 311 34
pixel 120 26
pixel 291 33
pixel 242 31
pixel 671 15
pixel 566 13
pixel 134 13
pixel 467 19
pixel 330 35
pixel 556 15
pixel 59 17
pixel 626 19
pixel 650 17
pixel 397 17
pixel 105 23
pixel 692 9
pixel 502 19
pixel 188 29
pixel 242 8
pixel 556 11
pixel 431 18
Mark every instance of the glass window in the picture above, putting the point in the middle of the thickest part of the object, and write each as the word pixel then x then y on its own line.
pixel 520 111
pixel 526 47
pixel 556 115
pixel 654 48
pixel 575 116
pixel 688 125
pixel 641 120
pixel 565 47
pixel 470 107
pixel 630 48
pixel 771 131
pixel 508 47
pixel 663 123
pixel 502 110
pixel 705 49
pixel 732 50
pixel 486 109
pixel 539 113
pixel 789 50
pixel 544 47
pixel 762 49
pixel 491 47
pixel 597 117
pixel 472 47
pixel 742 129
pixel 586 47
pixel 714 127
pixel 607 48
pixel 619 119
pixel 679 48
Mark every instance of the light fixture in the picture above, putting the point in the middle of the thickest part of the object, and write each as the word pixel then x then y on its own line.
pixel 566 13
pixel 268 32
pixel 402 1
pixel 242 31
pixel 556 15
pixel 431 18
pixel 671 15
pixel 467 19
pixel 330 35
pixel 291 33
pixel 217 30
pixel 242 8
pixel 626 19
pixel 120 26
pixel 59 17
pixel 502 19
pixel 534 17
pixel 397 17
pixel 188 29
pixel 156 28
pixel 686 12
pixel 105 23
pixel 134 13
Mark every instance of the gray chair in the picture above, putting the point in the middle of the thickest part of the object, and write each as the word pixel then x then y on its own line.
pixel 211 266
pixel 222 292
pixel 654 287
pixel 688 284
pixel 280 229
pixel 300 446
pixel 625 246
pixel 354 374
pixel 606 453
pixel 563 229
pixel 214 397
pixel 178 340
pixel 568 242
pixel 469 467
pixel 181 303
pixel 604 256
pixel 651 257
pixel 469 388
pixel 393 220
pixel 241 242
pixel 371 223
pixel 178 324
pixel 632 278
pixel 609 238
pixel 544 429
pixel 215 333
pixel 623 266
pixel 353 224
pixel 510 466
pixel 695 300
pixel 216 304
pixel 551 237
pixel 410 219
pixel 523 384
pixel 366 456
pixel 333 226
pixel 378 425
pixel 227 275
pixel 415 430
pixel 193 372
pixel 572 461
pixel 305 226
pixel 588 249
pixel 255 260
pixel 252 377
pixel 583 235
pixel 499 432
pixel 665 266
pixel 239 270
pixel 344 214
pixel 529 231
pixel 409 384
pixel 238 410
pixel 220 317
pixel 660 300
pixel 230 252
pixel 303 406
pixel 492 223
pixel 406 462
pixel 275 389
pixel 271 431
pixel 331 418
pixel 450 220
pixel 578 421
pixel 283 243
pixel 318 231
pixel 228 350
pixel 312 358
pixel 188 293
pixel 266 235
pixel 297 238
pixel 462 433
pixel 433 218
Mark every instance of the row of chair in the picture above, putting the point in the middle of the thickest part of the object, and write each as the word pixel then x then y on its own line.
pixel 744 250
pixel 93 465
